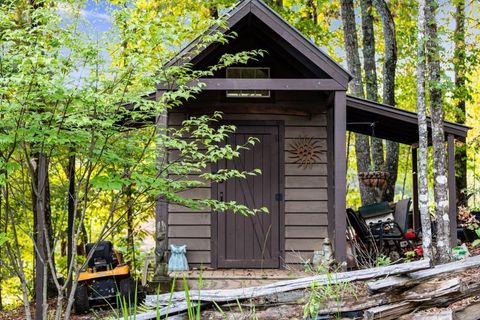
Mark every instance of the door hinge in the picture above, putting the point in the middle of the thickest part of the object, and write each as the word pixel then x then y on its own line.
pixel 279 196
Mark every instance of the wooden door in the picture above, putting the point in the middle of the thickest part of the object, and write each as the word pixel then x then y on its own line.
pixel 254 241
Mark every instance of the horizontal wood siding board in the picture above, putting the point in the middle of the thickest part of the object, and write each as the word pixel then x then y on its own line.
pixel 193 244
pixel 191 218
pixel 306 206
pixel 303 131
pixel 303 244
pixel 306 182
pixel 305 232
pixel 322 158
pixel 320 143
pixel 176 119
pixel 316 169
pixel 306 194
pixel 298 257
pixel 203 183
pixel 264 84
pixel 197 193
pixel 200 257
pixel 189 231
pixel 178 208
pixel 306 219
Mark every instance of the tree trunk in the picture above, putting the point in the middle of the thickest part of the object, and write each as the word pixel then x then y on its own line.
pixel 1 276
pixel 438 135
pixel 389 70
pixel 423 136
pixel 460 83
pixel 39 190
pixel 371 74
pixel 362 144
pixel 71 215
pixel 41 167
pixel 312 11
pixel 130 214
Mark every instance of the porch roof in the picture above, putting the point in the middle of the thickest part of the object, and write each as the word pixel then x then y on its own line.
pixel 391 123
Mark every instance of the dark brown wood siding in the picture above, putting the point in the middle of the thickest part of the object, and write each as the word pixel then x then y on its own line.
pixel 305 192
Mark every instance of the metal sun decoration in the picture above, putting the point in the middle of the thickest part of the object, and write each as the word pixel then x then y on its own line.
pixel 305 151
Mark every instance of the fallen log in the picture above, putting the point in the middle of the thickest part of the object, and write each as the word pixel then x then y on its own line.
pixel 419 276
pixel 430 294
pixel 441 315
pixel 177 299
pixel 390 311
pixel 469 312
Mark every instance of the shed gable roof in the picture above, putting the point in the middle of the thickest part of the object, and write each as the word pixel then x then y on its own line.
pixel 282 29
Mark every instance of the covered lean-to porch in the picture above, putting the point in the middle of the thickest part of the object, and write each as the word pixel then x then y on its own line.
pixel 294 101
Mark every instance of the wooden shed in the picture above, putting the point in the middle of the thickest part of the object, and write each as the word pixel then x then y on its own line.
pixel 294 101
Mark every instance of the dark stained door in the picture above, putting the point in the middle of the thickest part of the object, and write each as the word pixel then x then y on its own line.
pixel 253 241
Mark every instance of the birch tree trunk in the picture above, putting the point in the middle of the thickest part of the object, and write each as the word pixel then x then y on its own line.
pixel 438 136
pixel 371 74
pixel 362 144
pixel 460 83
pixel 389 70
pixel 423 136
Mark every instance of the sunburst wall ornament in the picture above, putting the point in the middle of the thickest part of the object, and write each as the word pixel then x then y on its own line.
pixel 305 150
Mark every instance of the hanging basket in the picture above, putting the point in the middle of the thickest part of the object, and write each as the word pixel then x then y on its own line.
pixel 374 179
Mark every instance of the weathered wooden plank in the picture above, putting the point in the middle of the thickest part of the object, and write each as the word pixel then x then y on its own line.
pixel 189 231
pixel 469 312
pixel 306 182
pixel 306 232
pixel 303 244
pixel 416 277
pixel 389 311
pixel 194 244
pixel 191 218
pixel 301 131
pixel 316 169
pixel 441 315
pixel 306 219
pixel 306 206
pixel 281 286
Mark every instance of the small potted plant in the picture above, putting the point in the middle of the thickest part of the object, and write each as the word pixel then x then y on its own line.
pixel 374 178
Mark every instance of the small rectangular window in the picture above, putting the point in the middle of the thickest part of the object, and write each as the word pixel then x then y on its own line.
pixel 249 73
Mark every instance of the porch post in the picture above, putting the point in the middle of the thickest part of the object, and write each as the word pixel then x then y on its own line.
pixel 340 175
pixel 416 211
pixel 452 189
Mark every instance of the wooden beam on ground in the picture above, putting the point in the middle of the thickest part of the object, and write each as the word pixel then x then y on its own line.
pixel 469 312
pixel 389 311
pixel 418 276
pixel 261 84
pixel 177 299
pixel 441 315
